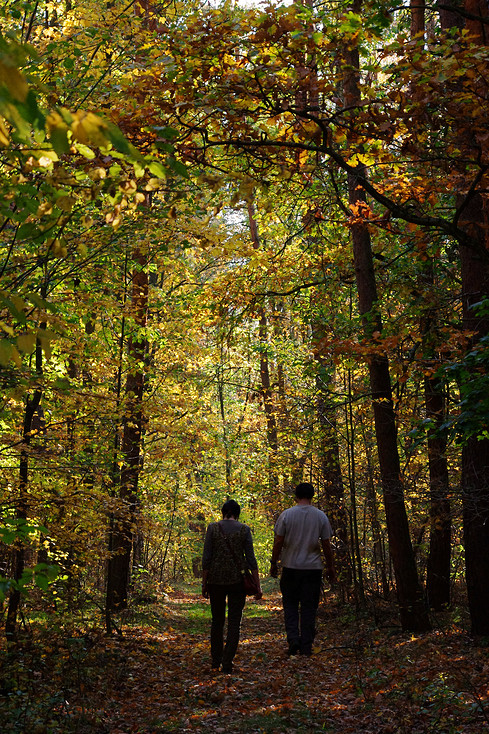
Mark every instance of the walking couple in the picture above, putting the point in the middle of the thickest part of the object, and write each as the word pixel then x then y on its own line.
pixel 300 533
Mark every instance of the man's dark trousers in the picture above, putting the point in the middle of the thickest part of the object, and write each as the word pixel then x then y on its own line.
pixel 301 590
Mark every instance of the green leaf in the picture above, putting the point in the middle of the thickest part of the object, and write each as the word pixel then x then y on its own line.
pixel 178 167
pixel 41 581
pixel 120 143
pixel 59 139
pixel 157 169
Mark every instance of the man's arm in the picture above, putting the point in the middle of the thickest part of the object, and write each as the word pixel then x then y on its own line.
pixel 328 557
pixel 276 551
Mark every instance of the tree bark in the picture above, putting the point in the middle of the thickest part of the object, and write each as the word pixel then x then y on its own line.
pixel 475 452
pixel 32 406
pixel 439 556
pixel 121 534
pixel 412 607
pixel 266 383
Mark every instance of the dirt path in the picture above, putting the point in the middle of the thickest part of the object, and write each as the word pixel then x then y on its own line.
pixel 358 680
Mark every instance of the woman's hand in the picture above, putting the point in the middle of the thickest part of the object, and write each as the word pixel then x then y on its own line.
pixel 259 595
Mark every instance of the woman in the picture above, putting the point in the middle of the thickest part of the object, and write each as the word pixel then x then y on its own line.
pixel 228 550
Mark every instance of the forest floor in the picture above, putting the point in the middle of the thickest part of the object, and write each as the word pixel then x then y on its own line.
pixel 156 676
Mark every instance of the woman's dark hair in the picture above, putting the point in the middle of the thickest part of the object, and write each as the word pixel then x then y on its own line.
pixel 304 491
pixel 231 509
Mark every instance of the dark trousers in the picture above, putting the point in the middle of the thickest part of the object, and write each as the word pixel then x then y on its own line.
pixel 300 597
pixel 236 600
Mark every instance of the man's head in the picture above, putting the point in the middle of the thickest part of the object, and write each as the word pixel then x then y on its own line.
pixel 231 509
pixel 304 491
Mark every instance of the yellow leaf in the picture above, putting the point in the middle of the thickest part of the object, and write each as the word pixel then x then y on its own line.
pixel 8 329
pixel 65 203
pixel 16 357
pixel 88 128
pixel 26 342
pixel 4 136
pixel 14 81
pixel 5 352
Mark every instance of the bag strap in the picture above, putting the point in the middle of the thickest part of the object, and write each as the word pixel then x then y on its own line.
pixel 226 539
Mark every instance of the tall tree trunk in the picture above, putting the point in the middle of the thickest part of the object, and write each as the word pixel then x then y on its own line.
pixel 332 486
pixel 222 407
pixel 475 453
pixel 33 403
pixel 417 17
pixel 438 567
pixel 266 383
pixel 413 610
pixel 439 556
pixel 474 220
pixel 121 535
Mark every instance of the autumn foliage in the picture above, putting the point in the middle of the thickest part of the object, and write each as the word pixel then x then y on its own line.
pixel 241 247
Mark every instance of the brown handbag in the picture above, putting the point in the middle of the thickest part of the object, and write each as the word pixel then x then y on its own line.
pixel 250 587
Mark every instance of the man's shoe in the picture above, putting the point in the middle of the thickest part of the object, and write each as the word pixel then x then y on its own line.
pixel 227 669
pixel 294 648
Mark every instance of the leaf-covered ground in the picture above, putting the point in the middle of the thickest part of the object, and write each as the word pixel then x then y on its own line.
pixel 156 677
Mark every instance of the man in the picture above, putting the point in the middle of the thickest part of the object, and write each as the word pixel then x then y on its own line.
pixel 300 532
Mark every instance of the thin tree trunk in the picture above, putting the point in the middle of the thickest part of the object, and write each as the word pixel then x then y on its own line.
pixel 225 439
pixel 121 540
pixel 32 406
pixel 266 384
pixel 438 568
pixel 332 487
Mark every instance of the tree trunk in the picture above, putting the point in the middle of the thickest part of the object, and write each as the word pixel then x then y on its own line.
pixel 475 453
pixel 121 535
pixel 439 556
pixel 332 488
pixel 32 406
pixel 266 384
pixel 438 569
pixel 413 610
pixel 417 17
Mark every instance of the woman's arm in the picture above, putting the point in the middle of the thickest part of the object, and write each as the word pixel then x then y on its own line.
pixel 251 561
pixel 205 591
pixel 206 561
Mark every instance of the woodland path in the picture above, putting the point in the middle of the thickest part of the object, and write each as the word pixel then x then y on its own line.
pixel 359 679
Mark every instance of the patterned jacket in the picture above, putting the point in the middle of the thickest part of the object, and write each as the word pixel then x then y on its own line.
pixel 217 557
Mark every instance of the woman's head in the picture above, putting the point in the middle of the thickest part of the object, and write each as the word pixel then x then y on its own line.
pixel 231 509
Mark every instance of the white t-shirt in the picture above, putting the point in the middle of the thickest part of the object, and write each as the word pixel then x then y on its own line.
pixel 302 527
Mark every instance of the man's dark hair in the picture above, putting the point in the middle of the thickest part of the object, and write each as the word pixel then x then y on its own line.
pixel 304 491
pixel 231 509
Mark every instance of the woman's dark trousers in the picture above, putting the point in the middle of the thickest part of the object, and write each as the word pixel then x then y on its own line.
pixel 300 597
pixel 236 598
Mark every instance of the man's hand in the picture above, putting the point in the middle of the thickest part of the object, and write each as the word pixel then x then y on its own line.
pixel 274 569
pixel 331 576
